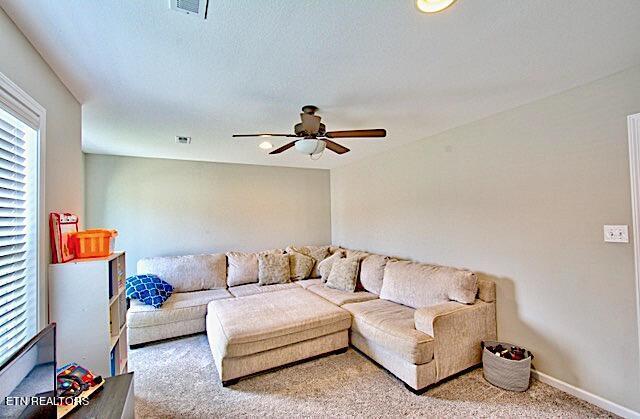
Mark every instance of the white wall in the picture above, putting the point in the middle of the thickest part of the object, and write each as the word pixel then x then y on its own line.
pixel 64 174
pixel 173 207
pixel 64 160
pixel 521 197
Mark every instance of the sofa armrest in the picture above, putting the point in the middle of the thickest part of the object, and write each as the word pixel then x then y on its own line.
pixel 486 289
pixel 457 330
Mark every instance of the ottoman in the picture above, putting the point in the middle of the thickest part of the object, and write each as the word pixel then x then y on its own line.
pixel 260 332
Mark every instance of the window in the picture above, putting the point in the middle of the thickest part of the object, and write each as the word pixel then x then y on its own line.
pixel 20 248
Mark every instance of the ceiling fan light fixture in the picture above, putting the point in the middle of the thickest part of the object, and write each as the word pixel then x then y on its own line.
pixel 433 6
pixel 310 146
pixel 265 145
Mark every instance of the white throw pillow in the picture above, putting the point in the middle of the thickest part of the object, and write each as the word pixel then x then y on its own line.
pixel 324 267
pixel 243 268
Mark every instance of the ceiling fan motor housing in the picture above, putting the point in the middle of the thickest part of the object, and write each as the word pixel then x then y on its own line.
pixel 310 146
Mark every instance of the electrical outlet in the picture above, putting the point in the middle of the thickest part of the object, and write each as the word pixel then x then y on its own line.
pixel 616 234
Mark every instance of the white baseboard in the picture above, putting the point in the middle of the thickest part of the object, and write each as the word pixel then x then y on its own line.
pixel 586 396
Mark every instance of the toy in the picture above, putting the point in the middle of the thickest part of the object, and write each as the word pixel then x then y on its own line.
pixel 73 380
pixel 70 386
pixel 513 353
pixel 61 225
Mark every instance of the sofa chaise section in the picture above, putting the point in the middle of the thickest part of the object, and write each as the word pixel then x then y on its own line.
pixel 263 331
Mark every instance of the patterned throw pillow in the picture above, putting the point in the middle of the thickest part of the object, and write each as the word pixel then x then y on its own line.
pixel 149 289
pixel 300 265
pixel 273 269
pixel 344 274
pixel 324 267
pixel 318 253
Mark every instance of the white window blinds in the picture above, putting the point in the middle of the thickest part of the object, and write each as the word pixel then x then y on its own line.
pixel 18 233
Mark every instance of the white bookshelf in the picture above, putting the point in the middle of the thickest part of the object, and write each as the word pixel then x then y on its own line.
pixel 87 301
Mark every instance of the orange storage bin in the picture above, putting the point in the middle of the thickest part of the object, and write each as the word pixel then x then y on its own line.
pixel 93 243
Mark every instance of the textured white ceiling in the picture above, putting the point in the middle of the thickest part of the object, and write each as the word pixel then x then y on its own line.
pixel 145 73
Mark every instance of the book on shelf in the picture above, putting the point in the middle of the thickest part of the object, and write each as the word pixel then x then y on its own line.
pixel 112 361
pixel 122 305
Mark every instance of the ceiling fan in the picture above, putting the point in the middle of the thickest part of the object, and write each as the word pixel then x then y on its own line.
pixel 312 136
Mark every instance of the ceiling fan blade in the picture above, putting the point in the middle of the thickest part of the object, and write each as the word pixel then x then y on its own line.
pixel 263 135
pixel 335 147
pixel 310 123
pixel 283 148
pixel 356 133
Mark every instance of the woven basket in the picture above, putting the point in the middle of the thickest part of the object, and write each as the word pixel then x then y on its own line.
pixel 505 373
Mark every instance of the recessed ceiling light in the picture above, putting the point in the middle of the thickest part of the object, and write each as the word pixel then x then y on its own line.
pixel 266 145
pixel 433 6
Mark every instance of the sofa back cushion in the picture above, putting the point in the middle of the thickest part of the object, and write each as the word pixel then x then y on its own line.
pixel 421 285
pixel 188 273
pixel 356 254
pixel 243 268
pixel 372 272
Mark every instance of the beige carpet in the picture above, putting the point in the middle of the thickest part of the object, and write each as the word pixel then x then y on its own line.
pixel 177 378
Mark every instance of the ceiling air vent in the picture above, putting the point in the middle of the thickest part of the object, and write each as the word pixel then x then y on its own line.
pixel 183 140
pixel 191 7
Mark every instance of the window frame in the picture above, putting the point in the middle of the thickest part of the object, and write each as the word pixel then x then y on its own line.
pixel 23 106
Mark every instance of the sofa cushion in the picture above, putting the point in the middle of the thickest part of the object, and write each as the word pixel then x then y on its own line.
pixel 188 273
pixel 344 274
pixel 273 269
pixel 486 290
pixel 325 265
pixel 334 249
pixel 306 283
pixel 300 265
pixel 243 268
pixel 180 307
pixel 356 254
pixel 391 326
pixel 251 289
pixel 339 297
pixel 372 272
pixel 277 319
pixel 318 253
pixel 420 285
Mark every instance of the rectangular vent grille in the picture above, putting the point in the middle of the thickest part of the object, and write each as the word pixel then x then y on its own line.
pixel 190 7
pixel 183 140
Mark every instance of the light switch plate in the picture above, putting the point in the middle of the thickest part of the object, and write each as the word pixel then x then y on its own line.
pixel 616 233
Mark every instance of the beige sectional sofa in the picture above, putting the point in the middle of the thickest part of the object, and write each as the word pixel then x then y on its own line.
pixel 421 322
